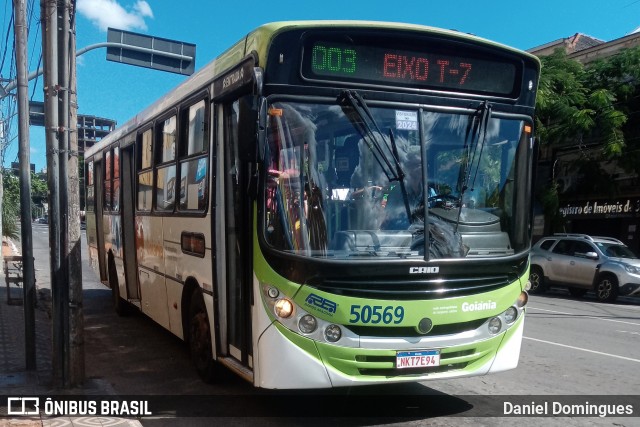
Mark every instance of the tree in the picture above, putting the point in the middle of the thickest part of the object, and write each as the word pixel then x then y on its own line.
pixel 11 201
pixel 573 105
pixel 579 107
pixel 621 75
pixel 10 206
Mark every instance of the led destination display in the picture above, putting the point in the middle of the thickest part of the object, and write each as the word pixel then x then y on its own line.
pixel 423 69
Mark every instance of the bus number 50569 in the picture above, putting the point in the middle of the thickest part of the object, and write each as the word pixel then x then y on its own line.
pixel 376 314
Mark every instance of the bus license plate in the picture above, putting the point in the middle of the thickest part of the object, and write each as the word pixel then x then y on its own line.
pixel 417 359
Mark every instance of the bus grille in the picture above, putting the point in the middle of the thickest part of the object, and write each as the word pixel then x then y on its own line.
pixel 384 332
pixel 413 289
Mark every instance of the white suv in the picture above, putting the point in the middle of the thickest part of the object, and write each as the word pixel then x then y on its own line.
pixel 581 262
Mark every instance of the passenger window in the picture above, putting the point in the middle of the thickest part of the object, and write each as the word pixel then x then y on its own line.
pixel 115 204
pixel 193 184
pixel 196 129
pixel 145 150
pixel 194 158
pixel 145 191
pixel 168 144
pixel 107 181
pixel 145 176
pixel 165 188
pixel 166 170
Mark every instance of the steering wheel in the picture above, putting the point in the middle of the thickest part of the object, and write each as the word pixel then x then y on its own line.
pixel 446 201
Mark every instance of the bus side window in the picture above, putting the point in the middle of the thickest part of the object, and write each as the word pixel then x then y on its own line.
pixel 143 167
pixel 193 185
pixel 115 196
pixel 107 180
pixel 166 171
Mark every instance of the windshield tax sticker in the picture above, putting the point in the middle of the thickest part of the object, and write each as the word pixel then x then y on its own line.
pixel 407 120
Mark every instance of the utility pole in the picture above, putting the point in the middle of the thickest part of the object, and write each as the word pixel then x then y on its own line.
pixel 76 314
pixel 62 166
pixel 49 16
pixel 28 270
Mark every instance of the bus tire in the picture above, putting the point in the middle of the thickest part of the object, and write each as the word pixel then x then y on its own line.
pixel 536 278
pixel 120 306
pixel 607 288
pixel 200 346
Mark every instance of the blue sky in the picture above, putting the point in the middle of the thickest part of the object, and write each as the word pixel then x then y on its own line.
pixel 118 91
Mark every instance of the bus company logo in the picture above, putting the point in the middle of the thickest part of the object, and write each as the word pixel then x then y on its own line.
pixel 233 78
pixel 323 304
pixel 478 306
pixel 424 270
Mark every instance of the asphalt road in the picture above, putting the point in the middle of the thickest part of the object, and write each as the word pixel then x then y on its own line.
pixel 574 350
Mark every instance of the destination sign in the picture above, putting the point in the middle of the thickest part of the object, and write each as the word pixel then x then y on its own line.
pixel 430 67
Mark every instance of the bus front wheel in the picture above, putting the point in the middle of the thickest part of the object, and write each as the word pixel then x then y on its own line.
pixel 200 338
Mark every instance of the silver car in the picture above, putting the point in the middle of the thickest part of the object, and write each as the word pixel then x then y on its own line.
pixel 582 263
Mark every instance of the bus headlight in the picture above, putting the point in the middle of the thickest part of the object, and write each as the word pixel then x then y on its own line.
pixel 283 308
pixel 510 315
pixel 495 324
pixel 307 324
pixel 522 300
pixel 332 333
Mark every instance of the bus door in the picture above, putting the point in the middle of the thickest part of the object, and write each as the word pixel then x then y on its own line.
pixel 235 304
pixel 99 198
pixel 128 221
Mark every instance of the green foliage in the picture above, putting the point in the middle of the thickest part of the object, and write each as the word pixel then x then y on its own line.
pixel 10 206
pixel 574 103
pixel 596 104
pixel 11 201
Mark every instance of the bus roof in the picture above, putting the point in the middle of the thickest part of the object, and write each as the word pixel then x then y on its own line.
pixel 258 40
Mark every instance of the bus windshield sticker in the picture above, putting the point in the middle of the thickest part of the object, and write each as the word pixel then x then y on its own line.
pixel 407 120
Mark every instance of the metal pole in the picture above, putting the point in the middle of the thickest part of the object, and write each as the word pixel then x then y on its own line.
pixel 49 16
pixel 28 272
pixel 6 90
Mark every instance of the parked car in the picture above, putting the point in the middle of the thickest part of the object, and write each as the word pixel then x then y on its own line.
pixel 582 263
pixel 43 220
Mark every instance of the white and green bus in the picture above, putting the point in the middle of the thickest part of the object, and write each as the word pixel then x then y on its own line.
pixel 328 204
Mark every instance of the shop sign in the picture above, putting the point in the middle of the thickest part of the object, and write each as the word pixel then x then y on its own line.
pixel 617 208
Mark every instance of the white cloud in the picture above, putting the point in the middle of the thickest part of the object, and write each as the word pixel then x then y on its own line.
pixel 143 8
pixel 109 13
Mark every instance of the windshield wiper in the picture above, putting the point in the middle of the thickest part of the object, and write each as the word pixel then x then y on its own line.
pixel 474 142
pixel 385 153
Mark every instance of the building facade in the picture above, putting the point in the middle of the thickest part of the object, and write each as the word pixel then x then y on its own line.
pixel 611 206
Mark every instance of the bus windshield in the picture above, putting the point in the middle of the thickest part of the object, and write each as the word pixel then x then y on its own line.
pixel 337 186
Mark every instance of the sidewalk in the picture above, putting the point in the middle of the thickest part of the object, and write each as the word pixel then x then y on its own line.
pixel 16 381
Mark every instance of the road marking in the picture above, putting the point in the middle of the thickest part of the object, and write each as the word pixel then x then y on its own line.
pixel 585 317
pixel 629 332
pixel 584 349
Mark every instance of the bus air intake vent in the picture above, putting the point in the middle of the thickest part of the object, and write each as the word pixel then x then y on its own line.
pixel 413 289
